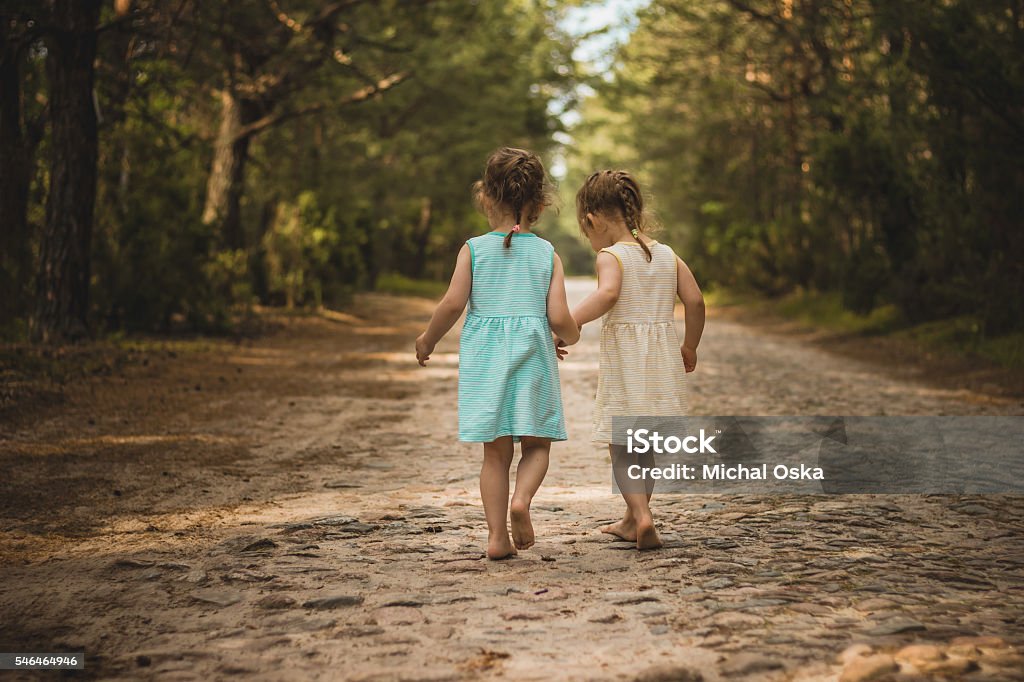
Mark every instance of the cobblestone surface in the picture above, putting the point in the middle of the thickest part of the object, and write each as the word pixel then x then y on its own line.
pixel 372 567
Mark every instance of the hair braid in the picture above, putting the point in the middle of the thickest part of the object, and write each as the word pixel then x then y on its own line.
pixel 517 192
pixel 632 204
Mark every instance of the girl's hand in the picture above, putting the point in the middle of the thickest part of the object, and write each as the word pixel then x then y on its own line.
pixel 689 357
pixel 423 349
pixel 560 350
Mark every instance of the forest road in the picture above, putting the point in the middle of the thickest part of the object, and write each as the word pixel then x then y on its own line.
pixel 297 507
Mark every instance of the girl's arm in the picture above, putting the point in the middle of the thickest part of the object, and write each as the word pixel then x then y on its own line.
pixel 449 309
pixel 609 284
pixel 559 317
pixel 693 303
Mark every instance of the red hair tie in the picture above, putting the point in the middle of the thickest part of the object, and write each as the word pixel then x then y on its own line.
pixel 515 228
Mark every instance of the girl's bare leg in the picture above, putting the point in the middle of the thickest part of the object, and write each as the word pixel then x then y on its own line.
pixel 494 493
pixel 624 529
pixel 621 460
pixel 639 505
pixel 638 524
pixel 533 465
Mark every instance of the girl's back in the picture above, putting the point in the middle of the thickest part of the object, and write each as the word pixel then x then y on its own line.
pixel 648 292
pixel 508 371
pixel 512 281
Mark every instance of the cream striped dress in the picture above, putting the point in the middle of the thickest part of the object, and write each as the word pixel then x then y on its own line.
pixel 641 369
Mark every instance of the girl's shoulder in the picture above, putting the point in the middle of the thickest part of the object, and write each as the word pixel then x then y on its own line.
pixel 494 242
pixel 500 236
pixel 480 238
pixel 664 248
pixel 631 255
pixel 544 243
pixel 632 247
pixel 482 243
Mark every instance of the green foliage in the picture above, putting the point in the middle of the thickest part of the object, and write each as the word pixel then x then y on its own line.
pixel 966 335
pixel 156 265
pixel 306 251
pixel 400 285
pixel 226 286
pixel 340 189
pixel 961 336
pixel 869 148
pixel 828 310
pixel 398 169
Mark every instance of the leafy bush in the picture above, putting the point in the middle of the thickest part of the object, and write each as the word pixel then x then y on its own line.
pixel 311 258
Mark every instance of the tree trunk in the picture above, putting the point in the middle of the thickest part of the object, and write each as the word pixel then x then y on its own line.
pixel 422 238
pixel 258 254
pixel 227 175
pixel 15 177
pixel 63 285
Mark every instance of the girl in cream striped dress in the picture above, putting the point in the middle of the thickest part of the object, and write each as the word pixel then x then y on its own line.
pixel 508 373
pixel 642 364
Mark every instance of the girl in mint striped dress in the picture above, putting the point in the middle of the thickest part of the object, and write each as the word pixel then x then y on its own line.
pixel 508 371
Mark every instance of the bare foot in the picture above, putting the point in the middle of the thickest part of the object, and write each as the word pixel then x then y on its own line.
pixel 522 528
pixel 500 547
pixel 647 535
pixel 624 529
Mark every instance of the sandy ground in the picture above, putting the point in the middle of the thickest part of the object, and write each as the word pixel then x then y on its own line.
pixel 297 507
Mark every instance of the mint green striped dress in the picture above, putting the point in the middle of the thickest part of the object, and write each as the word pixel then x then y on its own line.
pixel 508 371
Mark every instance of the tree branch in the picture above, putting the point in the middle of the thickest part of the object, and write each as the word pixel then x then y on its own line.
pixel 772 94
pixel 359 95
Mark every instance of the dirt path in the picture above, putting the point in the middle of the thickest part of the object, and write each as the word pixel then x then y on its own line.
pixel 298 508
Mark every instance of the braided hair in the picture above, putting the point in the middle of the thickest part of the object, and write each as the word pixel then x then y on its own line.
pixel 615 191
pixel 515 179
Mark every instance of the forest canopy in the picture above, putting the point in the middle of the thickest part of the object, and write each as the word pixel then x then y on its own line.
pixel 867 147
pixel 221 153
pixel 168 164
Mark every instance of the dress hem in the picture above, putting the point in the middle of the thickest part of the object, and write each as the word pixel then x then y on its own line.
pixel 515 437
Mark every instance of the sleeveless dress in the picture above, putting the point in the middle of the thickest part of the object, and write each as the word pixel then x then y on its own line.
pixel 508 370
pixel 641 370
